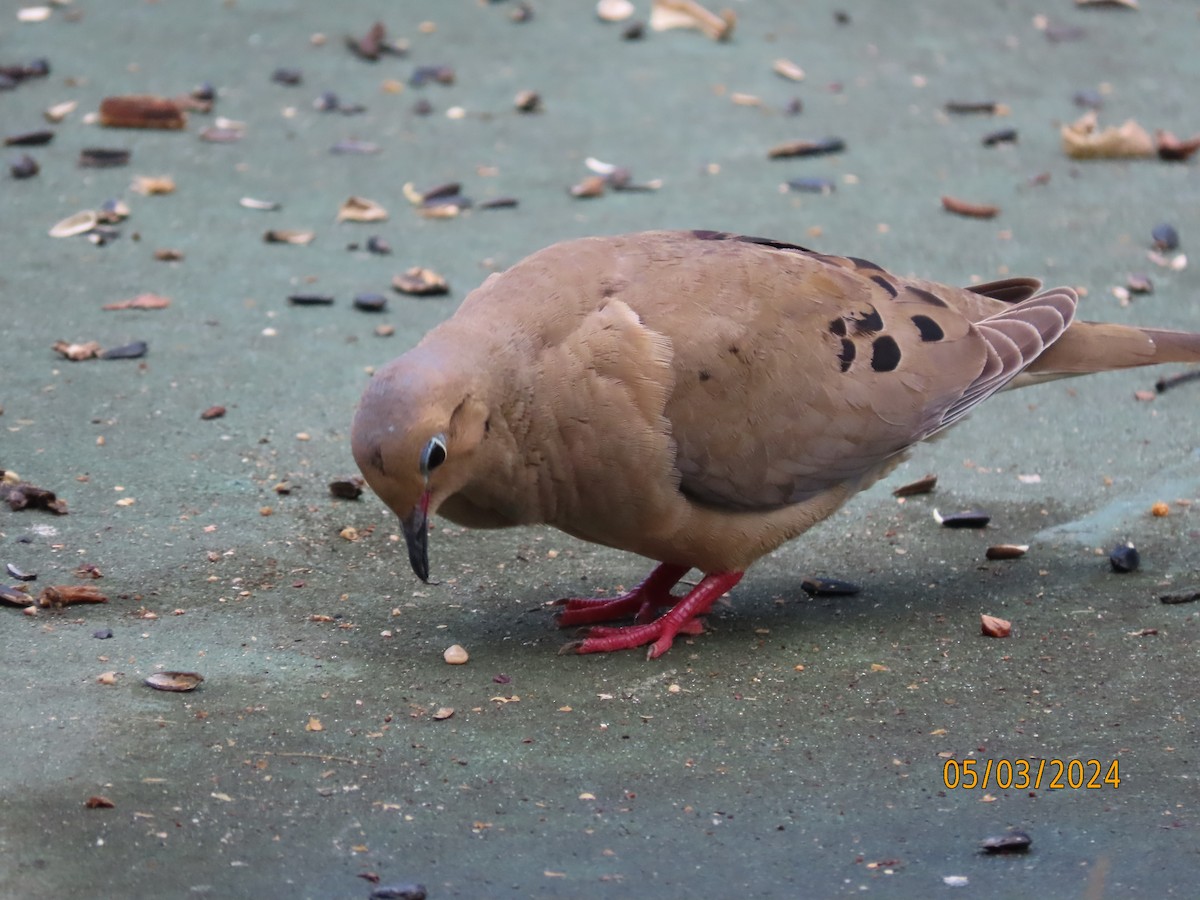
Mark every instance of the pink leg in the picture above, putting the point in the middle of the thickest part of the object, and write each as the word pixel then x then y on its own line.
pixel 683 617
pixel 641 602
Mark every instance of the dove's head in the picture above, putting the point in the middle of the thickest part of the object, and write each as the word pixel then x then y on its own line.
pixel 415 437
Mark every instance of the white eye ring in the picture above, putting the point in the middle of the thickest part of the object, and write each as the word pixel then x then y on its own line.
pixel 433 455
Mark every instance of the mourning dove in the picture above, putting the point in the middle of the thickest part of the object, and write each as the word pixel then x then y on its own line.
pixel 698 398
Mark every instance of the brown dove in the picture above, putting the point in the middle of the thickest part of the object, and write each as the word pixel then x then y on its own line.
pixel 698 398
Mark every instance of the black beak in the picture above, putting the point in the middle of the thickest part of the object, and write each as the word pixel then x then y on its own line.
pixel 416 535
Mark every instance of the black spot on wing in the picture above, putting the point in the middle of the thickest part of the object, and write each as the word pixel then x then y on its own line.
pixel 864 263
pixel 867 323
pixel 930 330
pixel 838 327
pixel 882 281
pixel 925 295
pixel 847 354
pixel 885 354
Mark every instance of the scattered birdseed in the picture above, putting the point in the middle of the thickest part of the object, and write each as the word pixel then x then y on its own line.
pixel 968 209
pixel 310 299
pixel 975 518
pixel 13 597
pixel 20 574
pixel 153 185
pixel 421 282
pixel 288 77
pixel 1001 136
pixel 213 412
pixel 360 209
pixel 78 223
pixel 668 14
pixel 142 111
pixel 1165 237
pixel 787 69
pixel 969 107
pixel 1172 149
pixel 442 713
pixel 252 203
pixel 1010 842
pixel 828 587
pixel 289 236
pixel 455 655
pixel 1124 558
pixel 819 147
pixel 1083 139
pixel 398 892
pixel 614 10
pixel 23 166
pixel 923 485
pixel 370 302
pixel 994 627
pixel 348 488
pixel 132 350
pixel 528 102
pixel 1160 510
pixel 141 301
pixel 103 158
pixel 811 185
pixel 499 203
pixel 349 147
pixel 29 139
pixel 1006 551
pixel 174 681
pixel 1187 595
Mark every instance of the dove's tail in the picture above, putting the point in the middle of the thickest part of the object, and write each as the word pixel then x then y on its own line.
pixel 1088 347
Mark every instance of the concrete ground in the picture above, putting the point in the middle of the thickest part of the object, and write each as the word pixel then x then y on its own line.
pixel 798 748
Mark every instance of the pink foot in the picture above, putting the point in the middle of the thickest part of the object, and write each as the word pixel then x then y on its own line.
pixel 683 618
pixel 641 602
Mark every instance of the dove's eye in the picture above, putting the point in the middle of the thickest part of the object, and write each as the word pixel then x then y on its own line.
pixel 433 455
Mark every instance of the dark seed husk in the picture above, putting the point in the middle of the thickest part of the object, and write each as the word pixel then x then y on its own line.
pixel 499 203
pixel 913 488
pixel 24 166
pixel 1139 283
pixel 205 92
pixel 376 244
pixel 828 587
pixel 1165 237
pixel 133 350
pixel 422 75
pixel 1011 842
pixel 327 102
pixel 174 681
pixel 102 634
pixel 422 108
pixel 103 157
pixel 1187 595
pixel 30 139
pixel 13 597
pixel 370 45
pixel 142 111
pixel 812 185
pixel 349 488
pixel 310 300
pixel 819 147
pixel 974 518
pixel 967 107
pixel 398 892
pixel 634 31
pixel 1002 136
pixel 1006 551
pixel 1124 558
pixel 290 77
pixel 18 574
pixel 1088 99
pixel 370 302
pixel 437 192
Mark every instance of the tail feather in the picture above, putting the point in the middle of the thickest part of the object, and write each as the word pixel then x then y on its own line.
pixel 1088 347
